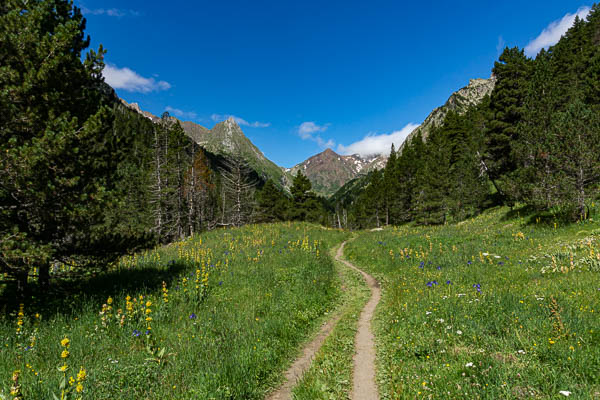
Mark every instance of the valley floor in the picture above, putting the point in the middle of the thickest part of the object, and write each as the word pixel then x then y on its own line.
pixel 495 307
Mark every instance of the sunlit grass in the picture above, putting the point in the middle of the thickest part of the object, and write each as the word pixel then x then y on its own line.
pixel 490 308
pixel 217 316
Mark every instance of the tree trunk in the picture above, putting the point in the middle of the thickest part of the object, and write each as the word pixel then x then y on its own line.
pixel 387 215
pixel 44 276
pixel 21 278
pixel 581 193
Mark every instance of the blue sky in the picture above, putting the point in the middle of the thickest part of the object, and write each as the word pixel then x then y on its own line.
pixel 304 75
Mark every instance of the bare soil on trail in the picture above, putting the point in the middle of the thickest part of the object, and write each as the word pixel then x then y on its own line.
pixel 297 369
pixel 364 383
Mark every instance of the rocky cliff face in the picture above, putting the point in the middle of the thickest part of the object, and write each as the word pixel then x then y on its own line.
pixel 460 101
pixel 329 171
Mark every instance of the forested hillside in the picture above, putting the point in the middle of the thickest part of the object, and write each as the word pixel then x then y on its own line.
pixel 534 140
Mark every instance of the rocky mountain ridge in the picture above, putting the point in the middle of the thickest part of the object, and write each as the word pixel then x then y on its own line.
pixel 459 101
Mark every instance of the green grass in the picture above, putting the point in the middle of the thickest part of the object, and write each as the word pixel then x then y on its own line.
pixel 495 307
pixel 240 302
pixel 330 375
pixel 530 331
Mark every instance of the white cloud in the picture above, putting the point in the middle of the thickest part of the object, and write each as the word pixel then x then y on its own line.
pixel 111 12
pixel 131 81
pixel 181 114
pixel 307 131
pixel 240 121
pixel 553 32
pixel 377 144
pixel 307 128
pixel 500 45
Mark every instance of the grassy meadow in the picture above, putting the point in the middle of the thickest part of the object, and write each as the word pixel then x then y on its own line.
pixel 500 306
pixel 496 307
pixel 217 316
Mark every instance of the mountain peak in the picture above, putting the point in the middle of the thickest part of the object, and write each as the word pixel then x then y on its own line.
pixel 328 171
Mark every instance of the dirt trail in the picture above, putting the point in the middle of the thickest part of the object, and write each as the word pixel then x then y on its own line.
pixel 364 384
pixel 297 369
pixel 365 387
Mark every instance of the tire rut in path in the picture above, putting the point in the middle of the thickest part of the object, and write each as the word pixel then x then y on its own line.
pixel 301 365
pixel 364 383
pixel 365 387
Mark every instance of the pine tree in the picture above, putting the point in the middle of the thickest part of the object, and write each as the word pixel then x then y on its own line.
pixel 238 192
pixel 467 186
pixel 512 72
pixel 432 180
pixel 272 204
pixel 409 163
pixel 306 206
pixel 390 183
pixel 578 129
pixel 199 191
pixel 59 152
pixel 537 148
pixel 131 211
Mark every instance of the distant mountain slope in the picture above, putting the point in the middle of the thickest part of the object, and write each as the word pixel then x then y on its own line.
pixel 460 101
pixel 226 139
pixel 329 171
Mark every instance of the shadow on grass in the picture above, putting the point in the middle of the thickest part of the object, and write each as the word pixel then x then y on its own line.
pixel 71 296
pixel 543 218
pixel 524 211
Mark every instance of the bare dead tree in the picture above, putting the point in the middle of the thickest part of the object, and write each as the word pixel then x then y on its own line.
pixel 238 192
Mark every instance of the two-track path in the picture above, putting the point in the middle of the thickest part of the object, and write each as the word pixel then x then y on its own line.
pixel 364 384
